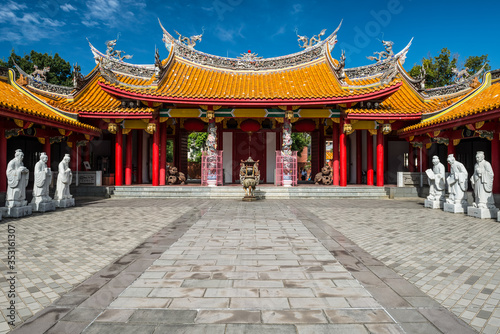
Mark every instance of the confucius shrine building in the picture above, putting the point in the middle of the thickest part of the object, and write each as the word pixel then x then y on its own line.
pixel 377 119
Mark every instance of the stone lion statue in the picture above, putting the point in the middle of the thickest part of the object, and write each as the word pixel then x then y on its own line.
pixel 325 176
pixel 175 177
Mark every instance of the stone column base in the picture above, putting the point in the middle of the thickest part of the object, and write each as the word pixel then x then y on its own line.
pixel 455 208
pixel 43 207
pixel 17 211
pixel 64 203
pixel 436 204
pixel 481 212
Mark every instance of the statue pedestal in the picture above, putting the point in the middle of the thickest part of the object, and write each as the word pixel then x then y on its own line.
pixel 481 212
pixel 287 183
pixel 17 211
pixel 455 208
pixel 436 204
pixel 212 183
pixel 249 198
pixel 64 203
pixel 43 207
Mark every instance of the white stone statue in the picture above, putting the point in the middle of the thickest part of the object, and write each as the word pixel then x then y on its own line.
pixel 436 177
pixel 457 182
pixel 482 182
pixel 64 178
pixel 17 180
pixel 43 176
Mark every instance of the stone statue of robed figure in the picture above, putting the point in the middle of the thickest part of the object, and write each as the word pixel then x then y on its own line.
pixel 17 180
pixel 482 183
pixel 436 177
pixel 62 196
pixel 43 176
pixel 457 187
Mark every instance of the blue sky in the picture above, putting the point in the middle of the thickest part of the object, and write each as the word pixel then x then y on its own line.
pixel 232 27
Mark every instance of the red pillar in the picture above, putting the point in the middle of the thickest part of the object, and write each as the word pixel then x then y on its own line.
pixel 424 161
pixel 163 152
pixel 359 161
pixel 335 149
pixel 451 150
pixel 119 157
pixel 46 148
pixel 3 161
pixel 343 156
pixel 128 160
pixel 156 155
pixel 495 162
pixel 369 159
pixel 140 135
pixel 380 158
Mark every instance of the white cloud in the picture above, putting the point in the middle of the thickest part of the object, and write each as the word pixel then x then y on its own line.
pixel 280 31
pixel 228 35
pixel 297 8
pixel 25 26
pixel 67 7
pixel 112 12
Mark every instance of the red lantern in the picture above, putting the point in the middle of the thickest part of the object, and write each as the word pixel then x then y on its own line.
pixel 250 125
pixel 305 125
pixel 194 124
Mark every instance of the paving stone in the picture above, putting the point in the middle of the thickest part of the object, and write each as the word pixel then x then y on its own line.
pixel 127 302
pixel 82 315
pixel 385 329
pixel 260 329
pixel 163 316
pixel 64 327
pixel 113 315
pixel 406 315
pixel 198 303
pixel 331 328
pixel 347 316
pixel 228 317
pixel 294 317
pixel 103 328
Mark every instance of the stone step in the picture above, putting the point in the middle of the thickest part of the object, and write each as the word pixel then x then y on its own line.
pixel 236 192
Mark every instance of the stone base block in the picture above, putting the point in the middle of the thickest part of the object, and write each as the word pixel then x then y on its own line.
pixel 455 208
pixel 17 211
pixel 43 207
pixel 482 213
pixel 433 204
pixel 64 203
pixel 249 198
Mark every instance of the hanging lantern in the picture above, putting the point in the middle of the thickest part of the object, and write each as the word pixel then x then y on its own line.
pixel 250 125
pixel 306 125
pixel 194 124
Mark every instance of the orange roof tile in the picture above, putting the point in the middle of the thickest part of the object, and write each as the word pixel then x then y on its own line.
pixel 314 80
pixel 482 100
pixel 16 99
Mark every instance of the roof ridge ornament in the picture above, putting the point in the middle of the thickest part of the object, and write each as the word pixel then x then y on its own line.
pixel 460 76
pixel 388 53
pixel 191 41
pixel 308 42
pixel 38 73
pixel 249 56
pixel 116 54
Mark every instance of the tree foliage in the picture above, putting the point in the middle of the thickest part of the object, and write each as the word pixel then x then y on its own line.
pixel 299 141
pixel 439 69
pixel 196 144
pixel 60 70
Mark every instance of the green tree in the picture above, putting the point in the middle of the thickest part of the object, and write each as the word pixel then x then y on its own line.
pixel 196 144
pixel 60 70
pixel 439 69
pixel 299 141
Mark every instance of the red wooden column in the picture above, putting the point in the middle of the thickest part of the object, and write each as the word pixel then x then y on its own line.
pixel 140 136
pixel 3 161
pixel 343 156
pixel 163 152
pixel 451 150
pixel 495 162
pixel 335 149
pixel 128 160
pixel 369 159
pixel 425 161
pixel 359 161
pixel 119 157
pixel 380 158
pixel 156 155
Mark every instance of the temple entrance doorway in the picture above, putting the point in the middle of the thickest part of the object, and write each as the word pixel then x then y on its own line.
pixel 245 145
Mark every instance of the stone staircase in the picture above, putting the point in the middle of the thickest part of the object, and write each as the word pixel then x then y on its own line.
pixel 262 192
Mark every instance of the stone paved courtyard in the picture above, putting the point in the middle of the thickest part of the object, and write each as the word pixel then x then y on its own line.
pixel 290 266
